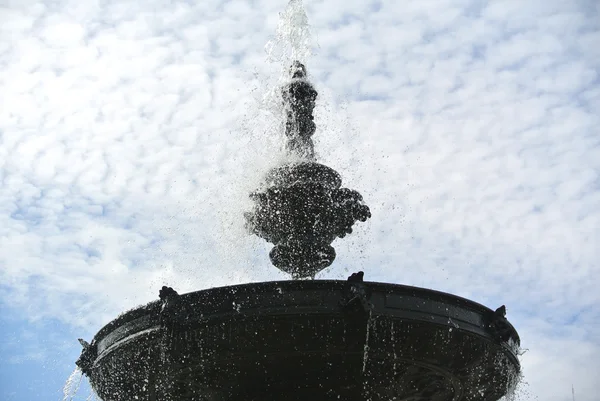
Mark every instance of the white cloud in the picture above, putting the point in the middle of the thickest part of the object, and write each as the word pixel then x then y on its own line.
pixel 130 133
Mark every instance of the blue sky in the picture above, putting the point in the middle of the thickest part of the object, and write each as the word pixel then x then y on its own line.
pixel 32 353
pixel 131 133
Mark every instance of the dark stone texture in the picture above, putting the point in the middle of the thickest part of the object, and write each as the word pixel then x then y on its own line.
pixel 357 277
pixel 302 207
pixel 305 340
pixel 87 357
pixel 301 211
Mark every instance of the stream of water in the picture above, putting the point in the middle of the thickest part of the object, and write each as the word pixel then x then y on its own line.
pixel 72 385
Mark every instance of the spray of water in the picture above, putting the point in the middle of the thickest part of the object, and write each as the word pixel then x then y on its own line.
pixel 293 38
pixel 366 349
pixel 72 385
pixel 265 120
pixel 293 42
pixel 258 147
pixel 515 390
pixel 262 133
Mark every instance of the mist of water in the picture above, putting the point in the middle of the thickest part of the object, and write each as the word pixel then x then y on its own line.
pixel 213 218
pixel 265 120
pixel 293 39
pixel 261 139
pixel 293 42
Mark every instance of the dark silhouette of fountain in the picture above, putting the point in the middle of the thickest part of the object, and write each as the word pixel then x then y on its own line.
pixel 304 339
pixel 303 207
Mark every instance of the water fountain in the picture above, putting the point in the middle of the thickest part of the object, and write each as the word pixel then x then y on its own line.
pixel 304 339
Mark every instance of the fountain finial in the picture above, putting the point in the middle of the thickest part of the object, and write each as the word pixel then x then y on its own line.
pixel 303 208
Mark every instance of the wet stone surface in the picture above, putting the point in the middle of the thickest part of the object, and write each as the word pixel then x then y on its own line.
pixel 301 214
pixel 303 340
pixel 303 207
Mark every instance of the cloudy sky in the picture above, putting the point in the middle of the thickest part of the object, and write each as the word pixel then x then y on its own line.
pixel 131 132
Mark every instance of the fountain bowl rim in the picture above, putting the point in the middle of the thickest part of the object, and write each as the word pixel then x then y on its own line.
pixel 154 307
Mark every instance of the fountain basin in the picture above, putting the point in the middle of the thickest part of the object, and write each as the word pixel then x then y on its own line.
pixel 302 340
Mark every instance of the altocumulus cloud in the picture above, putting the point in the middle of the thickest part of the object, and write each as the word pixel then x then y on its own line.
pixel 130 132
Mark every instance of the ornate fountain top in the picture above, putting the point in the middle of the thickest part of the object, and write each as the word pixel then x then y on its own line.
pixel 303 208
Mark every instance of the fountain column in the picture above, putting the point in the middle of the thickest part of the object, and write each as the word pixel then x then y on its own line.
pixel 302 207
